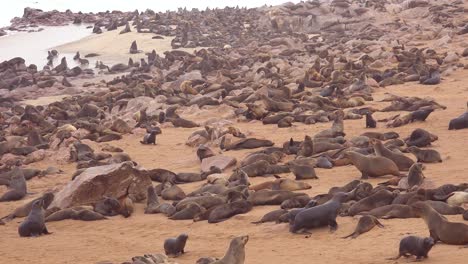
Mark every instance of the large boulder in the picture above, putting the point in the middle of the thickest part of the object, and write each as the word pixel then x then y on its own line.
pixel 115 180
pixel 220 161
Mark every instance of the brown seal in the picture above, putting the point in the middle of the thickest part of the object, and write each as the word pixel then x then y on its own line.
pixel 189 212
pixel 175 246
pixel 108 206
pixel 306 148
pixel 24 210
pixel 415 175
pixel 413 245
pixel 266 197
pixel 458 198
pixel 205 201
pixel 272 216
pixel 425 155
pixel 174 193
pixel 154 207
pixel 337 128
pixel 17 187
pixel 321 215
pixel 296 202
pixel 371 166
pixel 290 185
pixel 403 162
pixel 446 209
pixel 420 138
pixel 34 224
pixel 204 152
pixel 439 227
pixel 273 158
pixel 380 198
pixel 126 206
pixel 392 211
pixel 225 211
pixel 465 215
pixel 302 172
pixel 365 224
pixel 236 252
pixel 249 143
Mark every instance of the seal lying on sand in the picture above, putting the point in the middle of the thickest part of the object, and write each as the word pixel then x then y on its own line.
pixel 365 224
pixel 236 252
pixel 460 122
pixel 371 166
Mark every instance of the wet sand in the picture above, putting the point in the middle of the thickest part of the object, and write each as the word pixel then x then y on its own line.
pixel 118 239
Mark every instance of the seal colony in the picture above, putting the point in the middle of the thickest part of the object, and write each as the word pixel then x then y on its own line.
pixel 296 118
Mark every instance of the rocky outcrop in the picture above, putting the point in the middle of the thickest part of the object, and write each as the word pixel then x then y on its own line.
pixel 115 180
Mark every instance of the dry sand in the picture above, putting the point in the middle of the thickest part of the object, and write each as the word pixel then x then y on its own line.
pixel 114 47
pixel 118 239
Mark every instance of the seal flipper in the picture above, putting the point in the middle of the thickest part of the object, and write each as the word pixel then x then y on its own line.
pixel 333 225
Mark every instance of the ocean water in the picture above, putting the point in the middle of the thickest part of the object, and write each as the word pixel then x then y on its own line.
pixel 14 8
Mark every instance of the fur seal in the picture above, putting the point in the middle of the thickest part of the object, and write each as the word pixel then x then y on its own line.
pixel 460 122
pixel 324 163
pixel 302 172
pixel 174 193
pixel 204 152
pixel 371 166
pixel 370 121
pixel 415 175
pixel 445 209
pixel 365 224
pixel 439 227
pixel 225 211
pixel 191 210
pixel 175 246
pixel 403 162
pixel 153 206
pixel 34 224
pixel 249 143
pixel 17 187
pixel 458 198
pixel 378 199
pixel 296 202
pixel 420 138
pixel 306 148
pixel 413 245
pixel 337 128
pixel 392 211
pixel 236 252
pixel 150 138
pixel 290 185
pixel 318 216
pixel 267 197
pixel 24 210
pixel 425 155
pixel 108 206
pixel 272 216
pixel 126 206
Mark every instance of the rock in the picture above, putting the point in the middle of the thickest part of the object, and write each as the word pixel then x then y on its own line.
pixel 35 156
pixel 220 161
pixel 196 141
pixel 115 180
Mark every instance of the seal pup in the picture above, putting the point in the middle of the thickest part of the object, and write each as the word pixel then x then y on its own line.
pixel 370 121
pixel 34 224
pixel 321 215
pixel 17 187
pixel 150 138
pixel 425 155
pixel 236 252
pixel 272 216
pixel 365 224
pixel 415 175
pixel 413 245
pixel 175 246
pixel 372 166
pixel 440 229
